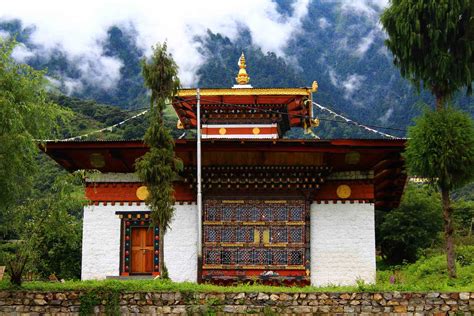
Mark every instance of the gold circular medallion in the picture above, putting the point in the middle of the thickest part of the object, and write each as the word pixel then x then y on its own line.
pixel 97 160
pixel 256 131
pixel 352 158
pixel 222 131
pixel 142 193
pixel 343 191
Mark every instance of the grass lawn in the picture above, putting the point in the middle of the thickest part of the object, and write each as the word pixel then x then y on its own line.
pixel 427 274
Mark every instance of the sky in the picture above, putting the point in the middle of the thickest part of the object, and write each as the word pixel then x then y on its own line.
pixel 79 27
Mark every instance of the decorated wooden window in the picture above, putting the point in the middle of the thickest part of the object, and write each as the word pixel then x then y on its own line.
pixel 296 234
pixel 254 234
pixel 279 234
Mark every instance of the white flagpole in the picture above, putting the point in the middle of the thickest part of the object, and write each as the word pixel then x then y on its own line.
pixel 199 192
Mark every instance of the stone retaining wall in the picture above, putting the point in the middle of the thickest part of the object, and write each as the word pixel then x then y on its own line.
pixel 68 303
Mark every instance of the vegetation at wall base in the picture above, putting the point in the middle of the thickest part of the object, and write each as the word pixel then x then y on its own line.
pixel 428 274
pixel 95 296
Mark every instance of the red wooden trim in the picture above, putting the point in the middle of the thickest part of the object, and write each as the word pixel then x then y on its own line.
pixel 231 130
pixel 251 272
pixel 359 191
pixel 126 192
pixel 181 143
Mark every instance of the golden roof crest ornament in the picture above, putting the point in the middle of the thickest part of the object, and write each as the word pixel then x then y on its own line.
pixel 242 77
pixel 314 86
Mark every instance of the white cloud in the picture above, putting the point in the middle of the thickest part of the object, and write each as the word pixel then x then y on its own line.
pixel 352 83
pixel 67 85
pixel 102 70
pixel 384 118
pixel 72 85
pixel 349 85
pixel 370 8
pixel 369 32
pixel 53 81
pixel 4 35
pixel 78 27
pixel 21 53
pixel 333 77
pixel 323 23
pixel 365 44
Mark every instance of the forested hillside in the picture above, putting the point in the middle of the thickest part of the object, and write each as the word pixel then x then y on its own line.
pixel 338 46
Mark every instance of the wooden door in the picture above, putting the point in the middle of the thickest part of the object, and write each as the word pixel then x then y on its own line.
pixel 142 250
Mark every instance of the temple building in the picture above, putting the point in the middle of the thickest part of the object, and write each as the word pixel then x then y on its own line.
pixel 286 211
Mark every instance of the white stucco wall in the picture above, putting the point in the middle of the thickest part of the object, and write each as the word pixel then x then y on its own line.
pixel 181 244
pixel 342 243
pixel 101 241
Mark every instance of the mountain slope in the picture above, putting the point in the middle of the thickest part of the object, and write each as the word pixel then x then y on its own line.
pixel 338 44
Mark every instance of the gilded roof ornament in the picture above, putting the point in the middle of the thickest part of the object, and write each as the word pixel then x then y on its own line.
pixel 242 77
pixel 314 86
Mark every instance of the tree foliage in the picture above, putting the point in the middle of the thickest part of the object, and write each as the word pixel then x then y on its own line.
pixel 411 227
pixel 158 167
pixel 441 148
pixel 26 114
pixel 49 230
pixel 463 216
pixel 433 43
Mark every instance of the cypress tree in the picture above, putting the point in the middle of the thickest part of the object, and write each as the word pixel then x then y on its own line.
pixel 159 166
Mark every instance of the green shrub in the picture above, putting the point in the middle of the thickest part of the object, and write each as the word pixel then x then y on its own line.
pixel 6 249
pixel 463 215
pixel 91 298
pixel 430 274
pixel 403 232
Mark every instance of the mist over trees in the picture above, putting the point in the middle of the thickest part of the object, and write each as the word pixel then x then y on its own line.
pixel 340 47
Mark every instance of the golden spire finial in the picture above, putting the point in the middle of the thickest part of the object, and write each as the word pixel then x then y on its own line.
pixel 242 77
